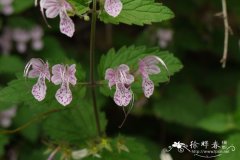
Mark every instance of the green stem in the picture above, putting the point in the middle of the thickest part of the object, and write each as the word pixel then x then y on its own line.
pixel 92 51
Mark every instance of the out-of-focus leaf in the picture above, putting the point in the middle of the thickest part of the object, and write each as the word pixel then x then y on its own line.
pixel 232 140
pixel 180 104
pixel 24 115
pixel 30 153
pixel 218 117
pixel 218 123
pixel 20 22
pixel 139 12
pixel 3 142
pixel 22 5
pixel 10 64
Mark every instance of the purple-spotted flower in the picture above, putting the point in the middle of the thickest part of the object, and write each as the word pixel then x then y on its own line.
pixel 149 66
pixel 122 79
pixel 59 7
pixel 64 74
pixel 39 69
pixel 113 7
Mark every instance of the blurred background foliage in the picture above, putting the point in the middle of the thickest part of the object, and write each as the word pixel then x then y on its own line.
pixel 201 102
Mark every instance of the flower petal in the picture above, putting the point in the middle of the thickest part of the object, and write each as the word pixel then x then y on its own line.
pixel 57 71
pixel 148 87
pixel 71 74
pixel 52 12
pixel 64 94
pixel 110 76
pixel 153 69
pixel 39 89
pixel 53 8
pixel 36 64
pixel 123 68
pixel 123 95
pixel 67 26
pixel 113 7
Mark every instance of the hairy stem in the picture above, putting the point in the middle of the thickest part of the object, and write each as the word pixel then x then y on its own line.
pixel 92 51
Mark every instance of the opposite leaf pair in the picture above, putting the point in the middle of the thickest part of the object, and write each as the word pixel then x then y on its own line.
pixel 122 79
pixel 61 74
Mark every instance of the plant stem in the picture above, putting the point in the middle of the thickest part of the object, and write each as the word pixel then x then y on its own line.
pixel 92 51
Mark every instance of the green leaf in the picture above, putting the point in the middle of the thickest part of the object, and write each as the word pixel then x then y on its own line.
pixel 218 123
pixel 139 12
pixel 22 5
pixel 233 140
pixel 3 142
pixel 218 117
pixel 10 64
pixel 130 56
pixel 80 6
pixel 184 107
pixel 75 125
pixel 29 153
pixel 24 115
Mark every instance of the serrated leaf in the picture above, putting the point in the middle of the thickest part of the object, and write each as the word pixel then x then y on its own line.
pixel 75 125
pixel 131 56
pixel 139 12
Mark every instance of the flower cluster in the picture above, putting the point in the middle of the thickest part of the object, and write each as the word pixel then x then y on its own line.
pixel 122 79
pixel 21 37
pixel 54 8
pixel 6 7
pixel 61 75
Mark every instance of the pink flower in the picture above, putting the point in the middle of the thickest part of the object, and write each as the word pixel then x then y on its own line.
pixel 21 37
pixel 113 7
pixel 59 7
pixel 6 116
pixel 64 75
pixel 6 6
pixel 149 66
pixel 36 35
pixel 122 79
pixel 39 70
